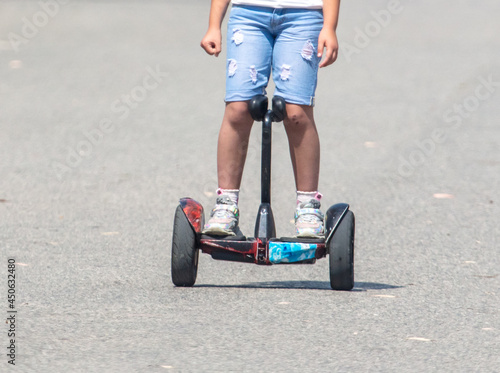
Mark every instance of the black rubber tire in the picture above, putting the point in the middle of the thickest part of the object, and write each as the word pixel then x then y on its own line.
pixel 184 265
pixel 341 249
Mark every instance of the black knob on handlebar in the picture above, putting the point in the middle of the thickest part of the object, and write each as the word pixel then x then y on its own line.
pixel 258 107
pixel 279 109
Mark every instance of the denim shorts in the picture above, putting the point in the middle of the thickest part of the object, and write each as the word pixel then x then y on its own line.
pixel 285 40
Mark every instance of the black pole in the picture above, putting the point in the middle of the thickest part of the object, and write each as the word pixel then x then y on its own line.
pixel 264 225
pixel 266 158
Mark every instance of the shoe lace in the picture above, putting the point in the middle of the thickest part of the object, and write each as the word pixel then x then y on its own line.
pixel 309 212
pixel 309 218
pixel 221 208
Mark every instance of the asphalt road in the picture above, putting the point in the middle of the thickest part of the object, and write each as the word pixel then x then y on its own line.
pixel 109 113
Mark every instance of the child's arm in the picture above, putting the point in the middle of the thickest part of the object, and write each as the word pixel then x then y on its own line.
pixel 327 37
pixel 212 40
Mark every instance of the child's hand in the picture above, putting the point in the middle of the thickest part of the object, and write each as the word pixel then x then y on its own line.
pixel 327 39
pixel 212 42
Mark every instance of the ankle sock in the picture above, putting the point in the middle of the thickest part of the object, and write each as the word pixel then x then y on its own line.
pixel 303 197
pixel 234 194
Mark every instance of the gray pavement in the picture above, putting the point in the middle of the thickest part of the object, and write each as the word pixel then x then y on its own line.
pixel 109 112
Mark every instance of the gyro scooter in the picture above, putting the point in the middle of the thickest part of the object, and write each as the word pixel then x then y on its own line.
pixel 264 248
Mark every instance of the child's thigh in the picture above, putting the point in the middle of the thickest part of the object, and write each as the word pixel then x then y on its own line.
pixel 295 60
pixel 249 54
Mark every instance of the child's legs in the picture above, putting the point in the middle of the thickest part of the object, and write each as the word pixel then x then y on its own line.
pixel 304 146
pixel 249 55
pixel 233 144
pixel 295 72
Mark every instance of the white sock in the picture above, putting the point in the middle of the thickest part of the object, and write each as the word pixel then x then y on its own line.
pixel 304 197
pixel 233 194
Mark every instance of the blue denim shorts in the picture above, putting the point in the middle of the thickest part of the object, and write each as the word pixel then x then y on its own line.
pixel 285 40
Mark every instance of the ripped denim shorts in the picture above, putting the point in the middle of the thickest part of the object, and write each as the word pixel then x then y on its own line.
pixel 285 40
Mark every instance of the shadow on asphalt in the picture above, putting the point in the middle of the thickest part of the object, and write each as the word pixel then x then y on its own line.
pixel 311 285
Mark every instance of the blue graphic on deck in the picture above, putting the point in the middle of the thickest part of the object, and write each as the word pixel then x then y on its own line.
pixel 291 252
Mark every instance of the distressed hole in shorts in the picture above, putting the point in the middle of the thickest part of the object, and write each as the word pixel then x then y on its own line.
pixel 253 74
pixel 307 51
pixel 237 36
pixel 232 65
pixel 285 72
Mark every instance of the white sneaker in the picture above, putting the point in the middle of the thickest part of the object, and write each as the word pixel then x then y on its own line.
pixel 223 218
pixel 309 220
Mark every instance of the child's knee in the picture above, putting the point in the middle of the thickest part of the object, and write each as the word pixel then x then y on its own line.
pixel 298 115
pixel 237 112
